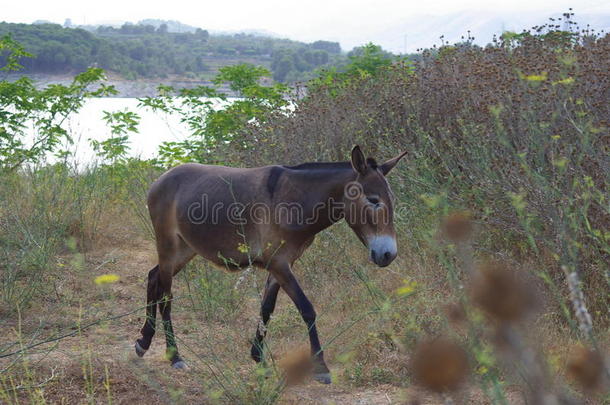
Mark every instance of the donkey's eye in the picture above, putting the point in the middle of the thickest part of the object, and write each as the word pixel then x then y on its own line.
pixel 373 199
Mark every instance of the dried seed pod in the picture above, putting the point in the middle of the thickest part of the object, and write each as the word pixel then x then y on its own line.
pixel 586 366
pixel 455 314
pixel 457 227
pixel 296 366
pixel 440 365
pixel 414 401
pixel 501 294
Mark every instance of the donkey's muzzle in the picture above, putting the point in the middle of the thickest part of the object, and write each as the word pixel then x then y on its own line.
pixel 382 250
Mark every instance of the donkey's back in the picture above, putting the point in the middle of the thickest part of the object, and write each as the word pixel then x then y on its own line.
pixel 200 209
pixel 184 184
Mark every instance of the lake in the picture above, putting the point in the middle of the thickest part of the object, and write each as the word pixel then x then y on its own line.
pixel 154 128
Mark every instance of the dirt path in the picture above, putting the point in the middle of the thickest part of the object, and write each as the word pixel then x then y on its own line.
pixel 99 363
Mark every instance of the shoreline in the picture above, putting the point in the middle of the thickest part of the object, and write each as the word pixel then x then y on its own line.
pixel 126 88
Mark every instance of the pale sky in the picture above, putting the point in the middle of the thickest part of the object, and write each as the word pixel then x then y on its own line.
pixel 346 21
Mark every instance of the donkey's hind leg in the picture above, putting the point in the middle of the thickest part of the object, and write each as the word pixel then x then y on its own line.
pixel 165 307
pixel 175 255
pixel 152 297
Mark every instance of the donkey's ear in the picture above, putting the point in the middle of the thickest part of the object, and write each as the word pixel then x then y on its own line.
pixel 358 160
pixel 389 165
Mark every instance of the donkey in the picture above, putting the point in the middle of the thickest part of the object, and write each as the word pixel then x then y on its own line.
pixel 264 217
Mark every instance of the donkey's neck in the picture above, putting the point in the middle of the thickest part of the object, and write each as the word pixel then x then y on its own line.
pixel 323 186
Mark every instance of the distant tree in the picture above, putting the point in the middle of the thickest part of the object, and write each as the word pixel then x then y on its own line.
pixel 282 68
pixel 316 57
pixel 181 38
pixel 149 29
pixel 137 51
pixel 320 58
pixel 203 35
pixel 127 28
pixel 330 47
pixel 200 66
pixel 60 59
pixel 105 56
pixel 68 23
pixel 162 29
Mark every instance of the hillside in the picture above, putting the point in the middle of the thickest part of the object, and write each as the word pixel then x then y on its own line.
pixel 154 51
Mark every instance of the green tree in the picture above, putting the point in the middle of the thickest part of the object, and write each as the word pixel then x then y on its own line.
pixel 203 35
pixel 284 66
pixel 369 59
pixel 23 106
pixel 365 61
pixel 330 47
pixel 115 148
pixel 212 117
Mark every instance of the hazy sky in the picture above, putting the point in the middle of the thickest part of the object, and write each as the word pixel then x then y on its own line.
pixel 339 20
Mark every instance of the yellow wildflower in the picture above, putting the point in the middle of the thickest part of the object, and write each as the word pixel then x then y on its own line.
pixel 106 279
pixel 407 288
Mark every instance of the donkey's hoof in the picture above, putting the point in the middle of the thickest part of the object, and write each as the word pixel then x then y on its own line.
pixel 139 350
pixel 180 365
pixel 323 378
pixel 256 354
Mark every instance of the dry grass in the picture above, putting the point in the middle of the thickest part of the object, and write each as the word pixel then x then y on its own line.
pixel 98 365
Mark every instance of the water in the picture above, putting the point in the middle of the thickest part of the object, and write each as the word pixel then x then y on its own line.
pixel 154 128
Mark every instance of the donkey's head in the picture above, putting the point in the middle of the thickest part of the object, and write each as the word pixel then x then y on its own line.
pixel 369 207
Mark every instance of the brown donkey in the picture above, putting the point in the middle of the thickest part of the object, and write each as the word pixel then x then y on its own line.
pixel 264 217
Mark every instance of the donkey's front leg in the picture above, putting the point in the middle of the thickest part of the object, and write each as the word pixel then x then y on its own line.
pixel 267 306
pixel 289 283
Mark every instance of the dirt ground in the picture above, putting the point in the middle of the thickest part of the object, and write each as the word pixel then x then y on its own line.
pixel 98 364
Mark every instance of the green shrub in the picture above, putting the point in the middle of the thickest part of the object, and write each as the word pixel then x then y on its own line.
pixel 516 132
pixel 45 211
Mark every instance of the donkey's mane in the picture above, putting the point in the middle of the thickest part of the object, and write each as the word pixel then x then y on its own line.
pixel 321 166
pixel 313 167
